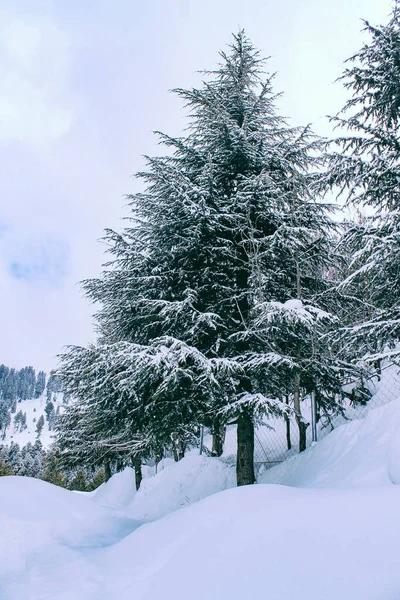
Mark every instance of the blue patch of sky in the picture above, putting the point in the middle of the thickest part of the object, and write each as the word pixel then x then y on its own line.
pixel 4 228
pixel 41 262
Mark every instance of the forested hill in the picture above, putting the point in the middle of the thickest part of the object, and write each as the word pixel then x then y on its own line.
pixel 29 404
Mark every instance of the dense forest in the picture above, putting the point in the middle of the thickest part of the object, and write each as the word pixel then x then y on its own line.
pixel 33 459
pixel 19 385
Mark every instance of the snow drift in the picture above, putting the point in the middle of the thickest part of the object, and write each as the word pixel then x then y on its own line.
pixel 266 542
pixel 363 453
pixel 174 486
pixel 253 542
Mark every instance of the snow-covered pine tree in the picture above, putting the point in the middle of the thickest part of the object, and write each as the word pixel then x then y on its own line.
pixel 227 220
pixel 115 418
pixel 5 469
pixel 40 384
pixel 299 360
pixel 10 386
pixel 51 469
pixel 79 482
pixel 366 167
pixel 14 457
pixel 39 426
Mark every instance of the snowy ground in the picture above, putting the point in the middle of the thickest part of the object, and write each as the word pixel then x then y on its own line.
pixel 333 534
pixel 362 453
pixel 33 409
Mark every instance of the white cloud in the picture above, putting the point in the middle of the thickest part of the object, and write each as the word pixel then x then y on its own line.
pixel 35 102
pixel 22 41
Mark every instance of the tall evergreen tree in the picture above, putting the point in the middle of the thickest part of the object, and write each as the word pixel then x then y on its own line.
pixel 227 221
pixel 366 167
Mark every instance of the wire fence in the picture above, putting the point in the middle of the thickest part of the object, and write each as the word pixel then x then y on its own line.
pixel 276 439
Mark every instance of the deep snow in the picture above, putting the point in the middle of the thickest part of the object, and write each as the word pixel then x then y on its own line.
pixel 263 541
pixel 253 542
pixel 175 486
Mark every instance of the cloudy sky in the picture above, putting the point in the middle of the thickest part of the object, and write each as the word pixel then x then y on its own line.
pixel 82 86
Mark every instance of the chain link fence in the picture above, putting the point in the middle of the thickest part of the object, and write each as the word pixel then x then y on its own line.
pixel 274 436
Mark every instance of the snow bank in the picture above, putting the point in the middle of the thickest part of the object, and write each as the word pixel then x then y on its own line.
pixel 363 453
pixel 253 542
pixel 174 486
pixel 45 532
pixel 266 542
pixel 182 483
pixel 118 490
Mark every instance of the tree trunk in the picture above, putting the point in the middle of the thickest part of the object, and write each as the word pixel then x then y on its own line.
pixel 181 449
pixel 107 470
pixel 378 367
pixel 245 427
pixel 175 446
pixel 245 450
pixel 287 423
pixel 178 447
pixel 218 439
pixel 158 458
pixel 301 423
pixel 137 465
pixel 318 404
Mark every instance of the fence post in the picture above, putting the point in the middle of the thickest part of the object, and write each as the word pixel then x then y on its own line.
pixel 201 440
pixel 313 417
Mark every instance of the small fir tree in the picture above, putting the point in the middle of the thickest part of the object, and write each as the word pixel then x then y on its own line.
pixel 5 469
pixel 39 426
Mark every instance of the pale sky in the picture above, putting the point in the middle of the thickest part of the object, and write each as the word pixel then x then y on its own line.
pixel 83 83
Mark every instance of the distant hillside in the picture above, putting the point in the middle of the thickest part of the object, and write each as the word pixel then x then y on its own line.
pixel 29 405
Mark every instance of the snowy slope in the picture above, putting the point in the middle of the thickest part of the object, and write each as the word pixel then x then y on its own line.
pixel 270 439
pixel 234 545
pixel 362 453
pixel 255 542
pixel 33 408
pixel 359 454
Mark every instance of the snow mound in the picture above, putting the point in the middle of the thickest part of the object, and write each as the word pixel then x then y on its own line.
pixel 363 453
pixel 118 490
pixel 177 484
pixel 343 543
pixel 45 528
pixel 59 545
pixel 235 545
